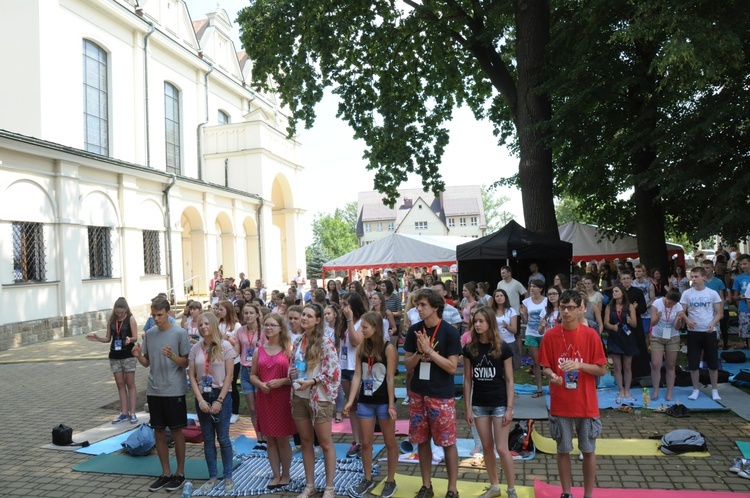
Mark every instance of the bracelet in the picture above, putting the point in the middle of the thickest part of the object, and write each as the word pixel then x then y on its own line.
pixel 349 320
pixel 220 400
pixel 217 401
pixel 174 356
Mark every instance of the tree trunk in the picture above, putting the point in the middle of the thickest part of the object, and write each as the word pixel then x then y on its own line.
pixel 649 229
pixel 532 111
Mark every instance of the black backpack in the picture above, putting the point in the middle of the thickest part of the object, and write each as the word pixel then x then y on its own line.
pixel 682 441
pixel 519 438
pixel 62 435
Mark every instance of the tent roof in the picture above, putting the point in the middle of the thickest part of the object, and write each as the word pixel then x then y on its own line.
pixel 586 243
pixel 400 250
pixel 514 241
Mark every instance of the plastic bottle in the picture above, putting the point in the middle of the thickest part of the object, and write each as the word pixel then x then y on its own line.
pixel 301 365
pixel 646 398
pixel 187 489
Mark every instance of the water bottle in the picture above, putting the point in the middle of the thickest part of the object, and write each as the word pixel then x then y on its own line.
pixel 187 490
pixel 646 398
pixel 301 365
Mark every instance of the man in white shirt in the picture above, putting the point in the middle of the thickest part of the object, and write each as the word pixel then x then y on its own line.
pixel 450 313
pixel 512 287
pixel 703 310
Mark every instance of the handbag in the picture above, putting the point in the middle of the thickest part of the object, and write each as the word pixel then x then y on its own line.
pixel 62 435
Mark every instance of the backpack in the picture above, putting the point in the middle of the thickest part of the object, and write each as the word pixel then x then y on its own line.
pixel 682 441
pixel 140 442
pixel 733 356
pixel 62 435
pixel 742 378
pixel 193 434
pixel 519 439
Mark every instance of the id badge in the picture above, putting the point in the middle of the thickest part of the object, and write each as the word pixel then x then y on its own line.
pixel 666 332
pixel 571 380
pixel 344 353
pixel 118 344
pixel 424 370
pixel 206 383
pixel 249 354
pixel 368 387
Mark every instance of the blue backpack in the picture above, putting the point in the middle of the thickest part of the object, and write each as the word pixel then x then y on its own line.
pixel 141 442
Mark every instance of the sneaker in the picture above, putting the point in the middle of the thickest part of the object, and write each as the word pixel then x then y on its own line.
pixel 175 483
pixel 234 418
pixel 566 495
pixel 208 486
pixel 359 489
pixel 491 492
pixel 121 418
pixel 454 494
pixel 133 418
pixel 389 489
pixel 425 492
pixel 745 471
pixel 406 401
pixel 737 465
pixel 512 493
pixel 160 483
pixel 355 451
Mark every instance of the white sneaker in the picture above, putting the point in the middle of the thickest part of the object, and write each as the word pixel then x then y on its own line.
pixel 405 402
pixel 695 394
pixel 234 418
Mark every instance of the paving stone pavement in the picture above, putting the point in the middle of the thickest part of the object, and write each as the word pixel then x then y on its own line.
pixel 68 381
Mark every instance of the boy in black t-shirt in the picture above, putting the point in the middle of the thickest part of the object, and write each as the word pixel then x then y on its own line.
pixel 432 349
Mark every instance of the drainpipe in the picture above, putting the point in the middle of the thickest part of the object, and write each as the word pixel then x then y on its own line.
pixel 260 236
pixel 169 237
pixel 226 172
pixel 151 29
pixel 199 129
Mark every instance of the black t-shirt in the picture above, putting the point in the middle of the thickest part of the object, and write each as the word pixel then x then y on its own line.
pixel 488 375
pixel 125 351
pixel 379 377
pixel 448 343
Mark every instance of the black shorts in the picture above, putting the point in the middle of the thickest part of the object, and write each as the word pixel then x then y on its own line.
pixel 167 411
pixel 706 343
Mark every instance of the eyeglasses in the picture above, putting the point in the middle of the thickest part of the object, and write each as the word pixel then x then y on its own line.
pixel 569 309
pixel 553 294
pixel 270 326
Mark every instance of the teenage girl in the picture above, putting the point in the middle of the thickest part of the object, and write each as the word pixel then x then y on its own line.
pixel 532 309
pixel 249 339
pixel 229 324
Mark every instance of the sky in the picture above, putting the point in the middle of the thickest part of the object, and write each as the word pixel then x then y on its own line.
pixel 334 170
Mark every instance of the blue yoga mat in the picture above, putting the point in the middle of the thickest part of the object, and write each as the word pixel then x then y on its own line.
pixel 106 446
pixel 399 392
pixel 607 399
pixel 744 447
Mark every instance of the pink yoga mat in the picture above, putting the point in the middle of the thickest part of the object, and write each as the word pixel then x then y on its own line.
pixel 544 490
pixel 345 427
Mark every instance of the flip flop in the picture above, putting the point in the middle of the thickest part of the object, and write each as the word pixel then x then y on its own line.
pixel 537 394
pixel 478 461
pixel 662 408
pixel 624 409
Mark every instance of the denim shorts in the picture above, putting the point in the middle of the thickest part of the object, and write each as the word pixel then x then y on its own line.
pixel 488 411
pixel 347 375
pixel 366 410
pixel 247 387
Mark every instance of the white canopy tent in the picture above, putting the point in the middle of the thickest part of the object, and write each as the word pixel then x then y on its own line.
pixel 399 250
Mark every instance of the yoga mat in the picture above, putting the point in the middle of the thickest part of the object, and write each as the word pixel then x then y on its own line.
pixel 104 431
pixel 613 447
pixel 142 466
pixel 525 389
pixel 744 447
pixel 399 392
pixel 734 368
pixel 525 407
pixel 703 403
pixel 407 487
pixel 107 446
pixel 732 398
pixel 544 490
pixel 345 427
pixel 464 447
pixel 244 445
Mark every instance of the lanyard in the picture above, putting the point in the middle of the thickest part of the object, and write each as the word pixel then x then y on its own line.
pixel 434 333
pixel 249 338
pixel 118 327
pixel 370 363
pixel 205 358
pixel 668 313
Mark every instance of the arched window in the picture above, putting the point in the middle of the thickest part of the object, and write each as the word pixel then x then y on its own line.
pixel 224 118
pixel 95 99
pixel 172 126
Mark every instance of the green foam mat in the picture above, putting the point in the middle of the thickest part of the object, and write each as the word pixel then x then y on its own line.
pixel 142 466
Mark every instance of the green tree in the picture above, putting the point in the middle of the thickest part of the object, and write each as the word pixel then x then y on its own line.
pixel 334 234
pixel 401 69
pixel 316 257
pixel 566 210
pixel 494 214
pixel 648 132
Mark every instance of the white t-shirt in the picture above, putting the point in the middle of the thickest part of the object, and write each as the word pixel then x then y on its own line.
pixel 413 315
pixel 665 327
pixel 700 306
pixel 351 351
pixel 552 320
pixel 535 316
pixel 233 333
pixel 503 322
pixel 515 290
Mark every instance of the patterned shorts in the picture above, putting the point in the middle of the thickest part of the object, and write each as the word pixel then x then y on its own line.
pixel 434 417
pixel 744 326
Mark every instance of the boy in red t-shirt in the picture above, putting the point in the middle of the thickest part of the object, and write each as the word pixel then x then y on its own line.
pixel 572 356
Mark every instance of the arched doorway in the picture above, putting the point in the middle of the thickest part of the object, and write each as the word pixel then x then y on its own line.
pixel 225 245
pixel 194 252
pixel 283 219
pixel 252 249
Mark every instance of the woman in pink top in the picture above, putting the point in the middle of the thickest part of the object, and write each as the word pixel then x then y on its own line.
pixel 249 339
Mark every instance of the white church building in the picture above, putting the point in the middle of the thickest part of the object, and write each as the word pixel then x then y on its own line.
pixel 134 159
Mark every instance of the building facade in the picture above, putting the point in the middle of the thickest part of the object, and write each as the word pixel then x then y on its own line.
pixel 458 212
pixel 134 159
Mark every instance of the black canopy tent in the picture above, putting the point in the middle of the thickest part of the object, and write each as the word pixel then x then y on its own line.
pixel 480 260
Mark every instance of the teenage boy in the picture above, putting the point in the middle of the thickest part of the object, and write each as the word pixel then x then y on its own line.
pixel 573 356
pixel 649 294
pixel 512 287
pixel 717 284
pixel 165 350
pixel 432 348
pixel 702 310
pixel 641 365
pixel 739 288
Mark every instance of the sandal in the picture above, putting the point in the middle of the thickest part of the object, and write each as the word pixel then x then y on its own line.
pixel 338 419
pixel 537 394
pixel 662 408
pixel 308 491
pixel 329 492
pixel 624 409
pixel 478 461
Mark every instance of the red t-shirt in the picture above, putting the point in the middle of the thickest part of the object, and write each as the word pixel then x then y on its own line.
pixel 582 345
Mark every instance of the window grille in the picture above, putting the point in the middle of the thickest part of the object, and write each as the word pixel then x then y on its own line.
pixel 29 262
pixel 100 252
pixel 151 253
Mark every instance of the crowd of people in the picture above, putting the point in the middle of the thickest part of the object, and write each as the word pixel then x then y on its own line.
pixel 308 357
